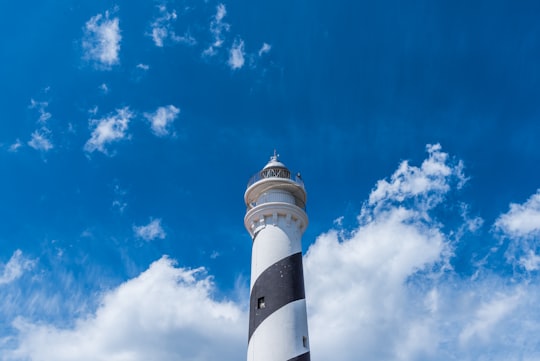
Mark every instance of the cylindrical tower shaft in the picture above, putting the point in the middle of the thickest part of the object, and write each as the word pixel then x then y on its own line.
pixel 276 220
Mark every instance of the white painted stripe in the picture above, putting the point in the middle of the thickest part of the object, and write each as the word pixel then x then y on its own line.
pixel 280 336
pixel 273 243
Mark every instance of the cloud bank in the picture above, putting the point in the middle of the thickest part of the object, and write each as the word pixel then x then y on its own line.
pixel 383 290
pixel 166 313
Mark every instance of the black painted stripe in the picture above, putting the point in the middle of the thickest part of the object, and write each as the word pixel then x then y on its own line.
pixel 302 357
pixel 279 284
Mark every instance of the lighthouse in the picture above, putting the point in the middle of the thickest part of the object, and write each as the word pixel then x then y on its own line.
pixel 276 219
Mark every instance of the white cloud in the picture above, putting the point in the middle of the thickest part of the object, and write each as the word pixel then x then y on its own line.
pixel 108 130
pixel 522 220
pixel 163 30
pixel 236 55
pixel 521 225
pixel 104 88
pixel 425 185
pixel 143 66
pixel 101 40
pixel 166 313
pixel 217 27
pixel 15 146
pixel 41 107
pixel 41 140
pixel 15 267
pixel 265 48
pixel 161 120
pixel 150 231
pixel 386 290
pixel 487 316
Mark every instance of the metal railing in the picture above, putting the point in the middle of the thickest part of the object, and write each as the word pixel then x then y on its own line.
pixel 275 173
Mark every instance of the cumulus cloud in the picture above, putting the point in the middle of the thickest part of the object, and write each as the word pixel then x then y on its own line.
pixel 166 313
pixel 15 267
pixel 110 129
pixel 521 225
pixel 236 55
pixel 40 140
pixel 101 40
pixel 151 231
pixel 161 120
pixel 522 220
pixel 162 29
pixel 425 185
pixel 386 290
pixel 217 28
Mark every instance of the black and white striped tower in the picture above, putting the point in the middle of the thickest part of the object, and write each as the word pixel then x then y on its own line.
pixel 276 220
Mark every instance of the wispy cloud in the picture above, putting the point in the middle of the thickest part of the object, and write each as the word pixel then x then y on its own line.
pixel 161 120
pixel 110 129
pixel 144 67
pixel 15 267
pixel 40 140
pixel 104 88
pixel 236 55
pixel 265 48
pixel 101 40
pixel 151 231
pixel 217 28
pixel 119 203
pixel 41 107
pixel 15 146
pixel 162 29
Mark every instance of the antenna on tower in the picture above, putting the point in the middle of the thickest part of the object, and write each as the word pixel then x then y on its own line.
pixel 275 156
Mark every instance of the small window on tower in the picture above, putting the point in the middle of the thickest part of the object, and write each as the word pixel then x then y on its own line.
pixel 304 341
pixel 260 303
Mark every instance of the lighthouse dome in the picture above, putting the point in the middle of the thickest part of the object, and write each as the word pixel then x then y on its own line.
pixel 274 168
pixel 274 163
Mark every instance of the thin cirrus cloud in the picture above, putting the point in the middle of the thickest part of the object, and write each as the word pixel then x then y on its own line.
pixel 107 130
pixel 101 40
pixel 384 290
pixel 162 119
pixel 15 267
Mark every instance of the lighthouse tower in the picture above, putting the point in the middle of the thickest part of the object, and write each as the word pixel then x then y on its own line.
pixel 276 220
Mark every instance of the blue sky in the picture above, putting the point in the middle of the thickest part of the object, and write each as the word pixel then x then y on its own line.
pixel 129 130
